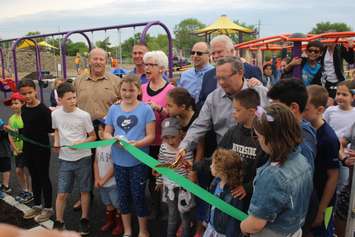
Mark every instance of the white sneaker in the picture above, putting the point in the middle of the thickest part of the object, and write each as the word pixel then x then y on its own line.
pixel 33 212
pixel 44 215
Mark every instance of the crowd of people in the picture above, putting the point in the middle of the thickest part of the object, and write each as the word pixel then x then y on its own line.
pixel 281 149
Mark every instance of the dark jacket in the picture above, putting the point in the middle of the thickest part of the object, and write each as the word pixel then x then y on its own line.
pixel 222 222
pixel 340 53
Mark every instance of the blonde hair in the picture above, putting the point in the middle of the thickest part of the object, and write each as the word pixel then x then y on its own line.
pixel 228 165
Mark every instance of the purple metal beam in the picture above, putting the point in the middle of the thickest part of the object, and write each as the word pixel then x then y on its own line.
pixel 64 61
pixel 38 61
pixel 2 63
pixel 297 52
pixel 170 42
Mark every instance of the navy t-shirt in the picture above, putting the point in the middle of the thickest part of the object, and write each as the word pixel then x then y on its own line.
pixel 327 157
pixel 309 144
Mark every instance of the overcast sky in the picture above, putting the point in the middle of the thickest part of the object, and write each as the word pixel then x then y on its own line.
pixel 21 16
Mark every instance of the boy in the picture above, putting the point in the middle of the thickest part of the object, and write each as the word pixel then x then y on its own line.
pixel 240 139
pixel 15 123
pixel 106 183
pixel 37 124
pixel 311 67
pixel 71 126
pixel 326 164
pixel 173 195
pixel 5 160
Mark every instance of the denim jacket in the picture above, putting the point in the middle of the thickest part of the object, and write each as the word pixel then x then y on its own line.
pixel 223 223
pixel 282 193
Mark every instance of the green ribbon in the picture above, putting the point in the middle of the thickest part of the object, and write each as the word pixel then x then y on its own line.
pixel 26 139
pixel 169 173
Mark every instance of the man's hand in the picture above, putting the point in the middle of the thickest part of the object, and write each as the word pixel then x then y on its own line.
pixel 158 187
pixel 319 219
pixel 97 183
pixel 295 61
pixel 180 156
pixel 239 192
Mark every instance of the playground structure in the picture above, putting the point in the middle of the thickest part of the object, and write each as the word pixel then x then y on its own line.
pixel 65 36
pixel 299 40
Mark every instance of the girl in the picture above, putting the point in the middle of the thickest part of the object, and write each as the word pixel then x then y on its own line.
pixel 282 187
pixel 340 118
pixel 135 121
pixel 54 95
pixel 106 183
pixel 226 167
pixel 268 79
pixel 181 104
pixel 37 124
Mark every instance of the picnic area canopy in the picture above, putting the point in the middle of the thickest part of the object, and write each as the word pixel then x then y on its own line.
pixel 223 25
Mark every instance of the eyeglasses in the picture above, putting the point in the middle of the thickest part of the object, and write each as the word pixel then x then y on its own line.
pixel 198 53
pixel 150 64
pixel 313 50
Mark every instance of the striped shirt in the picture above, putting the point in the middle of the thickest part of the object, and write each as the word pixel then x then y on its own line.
pixel 167 154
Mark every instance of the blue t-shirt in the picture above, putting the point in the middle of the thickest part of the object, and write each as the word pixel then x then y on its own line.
pixel 309 144
pixel 309 72
pixel 327 157
pixel 131 125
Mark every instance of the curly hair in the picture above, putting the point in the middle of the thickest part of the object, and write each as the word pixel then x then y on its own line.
pixel 228 165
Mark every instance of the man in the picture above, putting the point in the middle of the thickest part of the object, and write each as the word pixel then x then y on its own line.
pixel 97 91
pixel 191 79
pixel 332 62
pixel 216 112
pixel 138 52
pixel 221 46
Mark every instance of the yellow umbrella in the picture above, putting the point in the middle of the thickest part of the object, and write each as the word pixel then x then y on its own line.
pixel 28 43
pixel 223 25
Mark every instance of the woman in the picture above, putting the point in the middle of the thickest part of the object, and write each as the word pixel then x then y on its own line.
pixel 155 93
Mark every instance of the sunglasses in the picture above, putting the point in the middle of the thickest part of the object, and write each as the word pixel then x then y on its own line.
pixel 198 53
pixel 313 50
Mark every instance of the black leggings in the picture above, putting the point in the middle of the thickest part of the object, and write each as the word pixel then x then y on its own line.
pixel 38 165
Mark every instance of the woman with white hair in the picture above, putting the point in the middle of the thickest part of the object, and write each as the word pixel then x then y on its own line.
pixel 155 93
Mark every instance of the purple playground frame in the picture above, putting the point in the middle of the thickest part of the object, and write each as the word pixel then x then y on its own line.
pixel 67 34
pixel 2 64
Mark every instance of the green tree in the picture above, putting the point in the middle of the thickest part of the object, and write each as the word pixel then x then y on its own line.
pixel 104 44
pixel 40 39
pixel 246 36
pixel 184 37
pixel 73 48
pixel 327 26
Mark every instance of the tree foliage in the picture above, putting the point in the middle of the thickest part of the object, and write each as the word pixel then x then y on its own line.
pixel 246 36
pixel 184 37
pixel 327 26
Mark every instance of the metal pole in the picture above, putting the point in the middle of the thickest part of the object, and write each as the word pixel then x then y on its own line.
pixel 296 52
pixel 2 63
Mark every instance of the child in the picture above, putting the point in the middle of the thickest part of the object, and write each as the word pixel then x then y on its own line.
pixel 326 164
pixel 268 78
pixel 105 181
pixel 71 126
pixel 54 99
pixel 172 135
pixel 37 124
pixel 5 160
pixel 343 199
pixel 226 167
pixel 136 122
pixel 240 139
pixel 311 67
pixel 282 186
pixel 341 117
pixel 15 123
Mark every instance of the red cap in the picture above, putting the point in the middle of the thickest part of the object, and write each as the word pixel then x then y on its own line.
pixel 14 96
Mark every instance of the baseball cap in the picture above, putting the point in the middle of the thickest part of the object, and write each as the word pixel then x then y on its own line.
pixel 170 127
pixel 14 96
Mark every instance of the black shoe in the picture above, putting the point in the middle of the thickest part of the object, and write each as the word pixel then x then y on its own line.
pixel 84 228
pixel 59 225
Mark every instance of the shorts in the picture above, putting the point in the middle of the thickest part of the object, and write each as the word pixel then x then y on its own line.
pixel 5 164
pixel 109 195
pixel 342 203
pixel 71 170
pixel 20 161
pixel 131 182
